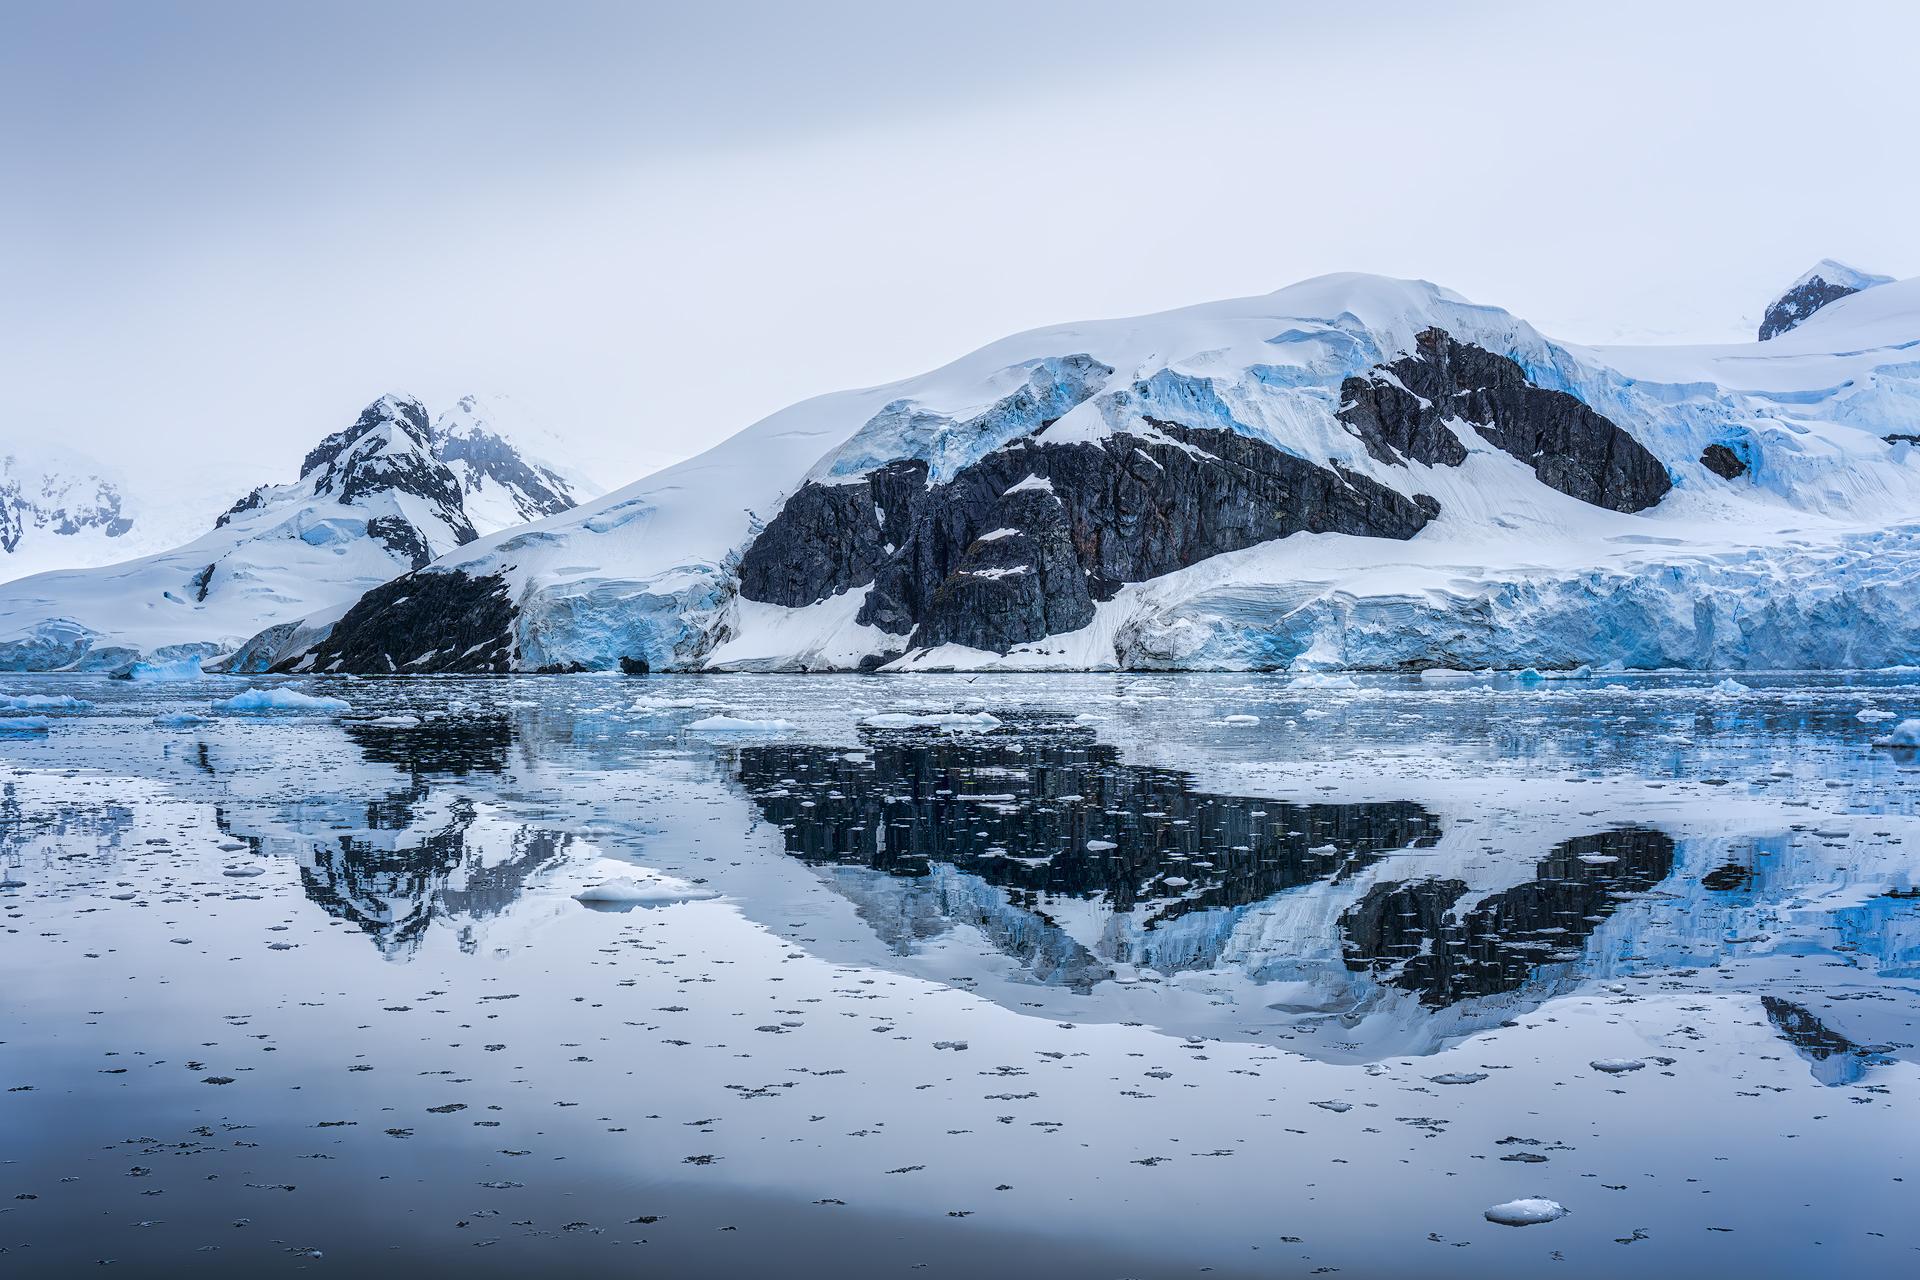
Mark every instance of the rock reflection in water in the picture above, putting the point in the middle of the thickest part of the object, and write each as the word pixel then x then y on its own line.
pixel 426 852
pixel 1410 935
pixel 1054 812
pixel 1833 1058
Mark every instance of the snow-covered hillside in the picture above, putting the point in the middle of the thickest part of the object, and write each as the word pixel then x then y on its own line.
pixel 375 499
pixel 1352 472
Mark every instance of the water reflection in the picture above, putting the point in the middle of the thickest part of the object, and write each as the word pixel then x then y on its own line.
pixel 1054 813
pixel 1413 934
pixel 426 852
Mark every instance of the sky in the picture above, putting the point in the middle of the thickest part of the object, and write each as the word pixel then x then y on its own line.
pixel 228 225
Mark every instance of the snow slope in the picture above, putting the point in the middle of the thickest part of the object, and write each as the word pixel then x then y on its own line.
pixel 1810 557
pixel 372 501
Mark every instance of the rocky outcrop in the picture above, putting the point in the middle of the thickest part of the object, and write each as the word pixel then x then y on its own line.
pixel 1826 282
pixel 1723 462
pixel 1018 582
pixel 1018 545
pixel 833 536
pixel 1402 411
pixel 440 622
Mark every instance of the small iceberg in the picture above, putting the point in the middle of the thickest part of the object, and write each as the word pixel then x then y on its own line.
pixel 43 702
pixel 958 720
pixel 270 700
pixel 624 891
pixel 180 719
pixel 1530 1212
pixel 1731 688
pixel 730 724
pixel 1320 680
pixel 25 724
pixel 1904 734
pixel 1241 720
pixel 1616 1066
pixel 156 672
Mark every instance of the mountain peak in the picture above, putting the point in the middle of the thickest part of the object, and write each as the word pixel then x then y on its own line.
pixel 403 413
pixel 1827 280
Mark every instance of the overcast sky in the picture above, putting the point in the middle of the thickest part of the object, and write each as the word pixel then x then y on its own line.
pixel 226 226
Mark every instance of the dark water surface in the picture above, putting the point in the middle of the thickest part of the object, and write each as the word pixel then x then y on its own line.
pixel 1100 975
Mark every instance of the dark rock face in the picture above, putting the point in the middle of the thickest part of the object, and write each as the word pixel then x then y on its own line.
pixel 536 491
pixel 252 502
pixel 1017 583
pixel 1723 462
pixel 455 622
pixel 1086 519
pixel 1410 936
pixel 1795 305
pixel 1399 412
pixel 833 536
pixel 402 539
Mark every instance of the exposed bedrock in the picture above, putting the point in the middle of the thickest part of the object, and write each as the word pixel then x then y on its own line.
pixel 1019 544
pixel 1401 411
pixel 441 622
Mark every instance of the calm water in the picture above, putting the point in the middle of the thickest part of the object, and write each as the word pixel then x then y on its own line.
pixel 1143 976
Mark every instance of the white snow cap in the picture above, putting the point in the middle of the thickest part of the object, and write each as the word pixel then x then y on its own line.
pixel 1835 272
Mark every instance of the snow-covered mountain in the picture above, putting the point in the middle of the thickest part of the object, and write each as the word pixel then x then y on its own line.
pixel 506 464
pixel 1352 472
pixel 375 499
pixel 61 509
pixel 1826 281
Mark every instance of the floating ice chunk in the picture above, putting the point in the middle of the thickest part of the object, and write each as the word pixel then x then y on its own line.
pixel 43 702
pixel 1242 720
pixel 178 669
pixel 1597 859
pixel 1530 675
pixel 1335 1106
pixel 1447 673
pixel 1320 680
pixel 1873 715
pixel 395 722
pixel 25 724
pixel 1616 1066
pixel 1459 1077
pixel 1101 846
pixel 1731 688
pixel 1324 850
pixel 1530 1212
pixel 624 891
pixel 243 873
pixel 1581 672
pixel 180 719
pixel 1905 734
pixel 731 724
pixel 957 720
pixel 267 700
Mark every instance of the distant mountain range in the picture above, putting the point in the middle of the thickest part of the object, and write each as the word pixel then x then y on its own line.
pixel 387 494
pixel 1354 472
